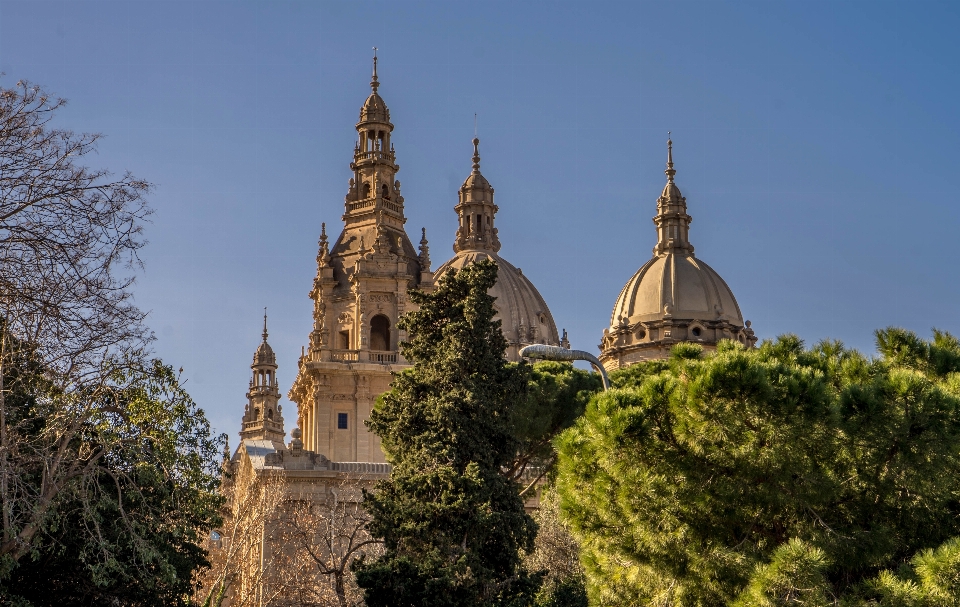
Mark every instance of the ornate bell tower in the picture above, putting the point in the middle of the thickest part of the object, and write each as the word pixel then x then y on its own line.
pixel 261 418
pixel 359 294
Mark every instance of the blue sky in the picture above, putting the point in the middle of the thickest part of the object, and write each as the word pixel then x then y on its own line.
pixel 816 143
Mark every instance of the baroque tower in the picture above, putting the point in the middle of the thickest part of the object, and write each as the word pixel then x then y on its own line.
pixel 261 418
pixel 521 309
pixel 359 293
pixel 674 297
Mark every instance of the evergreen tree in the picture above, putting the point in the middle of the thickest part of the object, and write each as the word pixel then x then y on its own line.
pixel 453 525
pixel 770 476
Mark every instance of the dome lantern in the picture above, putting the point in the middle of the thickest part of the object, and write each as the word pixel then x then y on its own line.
pixel 520 307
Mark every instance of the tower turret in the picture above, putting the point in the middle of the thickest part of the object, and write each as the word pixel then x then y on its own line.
pixel 261 418
pixel 476 211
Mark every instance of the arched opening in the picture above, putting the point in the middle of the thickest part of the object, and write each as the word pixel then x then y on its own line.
pixel 366 190
pixel 380 333
pixel 270 413
pixel 385 191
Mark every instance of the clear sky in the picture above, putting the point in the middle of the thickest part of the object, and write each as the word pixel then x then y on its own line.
pixel 816 143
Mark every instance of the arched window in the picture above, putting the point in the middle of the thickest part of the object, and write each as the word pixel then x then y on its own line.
pixel 270 413
pixel 366 190
pixel 385 191
pixel 380 333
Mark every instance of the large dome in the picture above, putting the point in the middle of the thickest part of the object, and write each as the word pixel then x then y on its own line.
pixel 674 297
pixel 521 309
pixel 681 285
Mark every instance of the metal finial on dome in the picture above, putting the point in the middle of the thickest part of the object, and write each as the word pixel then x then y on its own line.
pixel 670 172
pixel 264 324
pixel 373 82
pixel 476 155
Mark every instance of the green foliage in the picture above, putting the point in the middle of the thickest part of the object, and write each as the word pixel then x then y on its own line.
pixel 569 592
pixel 754 475
pixel 931 580
pixel 129 533
pixel 453 525
pixel 794 575
pixel 557 394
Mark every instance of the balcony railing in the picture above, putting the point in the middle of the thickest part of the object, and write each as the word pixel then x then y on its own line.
pixel 383 357
pixel 374 155
pixel 345 355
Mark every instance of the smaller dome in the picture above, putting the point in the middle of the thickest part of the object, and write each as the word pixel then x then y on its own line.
pixel 374 109
pixel 671 192
pixel 264 355
pixel 476 181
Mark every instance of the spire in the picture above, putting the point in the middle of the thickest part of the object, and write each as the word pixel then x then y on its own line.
pixel 670 172
pixel 672 221
pixel 476 155
pixel 424 253
pixel 264 324
pixel 323 257
pixel 374 84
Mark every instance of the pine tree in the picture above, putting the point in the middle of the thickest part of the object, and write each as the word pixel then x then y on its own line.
pixel 453 525
pixel 770 476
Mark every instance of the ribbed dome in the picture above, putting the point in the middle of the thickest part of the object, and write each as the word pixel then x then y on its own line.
pixel 264 355
pixel 374 109
pixel 679 285
pixel 476 181
pixel 523 312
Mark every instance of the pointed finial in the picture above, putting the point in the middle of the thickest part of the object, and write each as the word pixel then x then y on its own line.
pixel 670 172
pixel 474 125
pixel 373 83
pixel 324 255
pixel 424 252
pixel 476 155
pixel 264 324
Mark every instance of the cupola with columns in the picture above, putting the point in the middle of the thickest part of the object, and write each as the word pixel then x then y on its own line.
pixel 524 314
pixel 261 418
pixel 674 297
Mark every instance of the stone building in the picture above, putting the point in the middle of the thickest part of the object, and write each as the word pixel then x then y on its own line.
pixel 360 292
pixel 672 298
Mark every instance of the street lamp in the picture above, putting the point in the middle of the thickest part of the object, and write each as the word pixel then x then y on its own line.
pixel 544 352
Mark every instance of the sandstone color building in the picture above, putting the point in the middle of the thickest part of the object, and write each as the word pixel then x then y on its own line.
pixel 361 290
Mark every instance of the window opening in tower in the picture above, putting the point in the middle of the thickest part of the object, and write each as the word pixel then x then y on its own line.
pixel 380 333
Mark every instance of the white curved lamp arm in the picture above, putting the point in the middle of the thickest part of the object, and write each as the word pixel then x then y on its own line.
pixel 544 352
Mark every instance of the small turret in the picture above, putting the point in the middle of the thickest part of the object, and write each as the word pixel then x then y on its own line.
pixel 262 419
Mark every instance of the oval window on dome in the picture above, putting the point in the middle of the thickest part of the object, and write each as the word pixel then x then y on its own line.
pixel 641 334
pixel 697 331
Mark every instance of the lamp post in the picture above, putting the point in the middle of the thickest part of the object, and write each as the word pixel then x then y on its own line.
pixel 544 352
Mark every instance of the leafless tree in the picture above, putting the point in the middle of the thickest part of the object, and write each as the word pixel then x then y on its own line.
pixel 243 571
pixel 555 551
pixel 69 242
pixel 285 546
pixel 329 535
